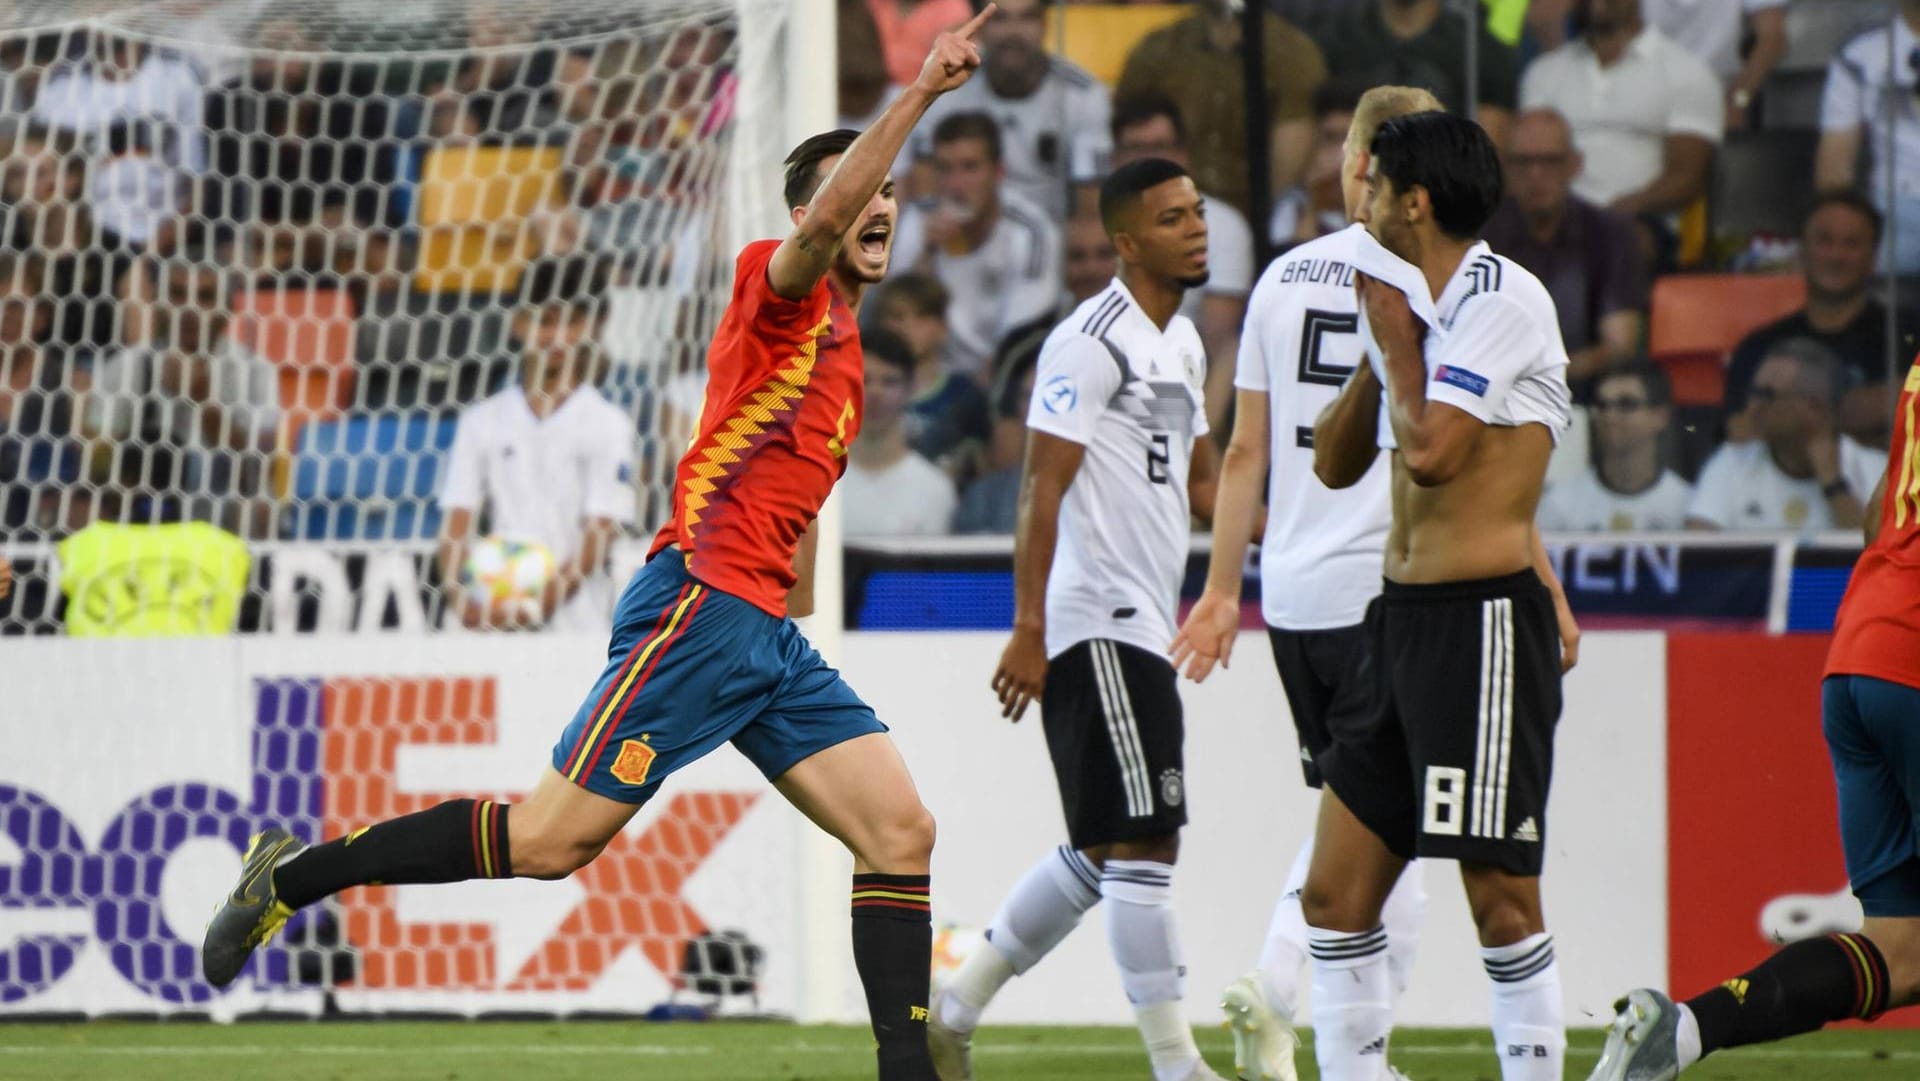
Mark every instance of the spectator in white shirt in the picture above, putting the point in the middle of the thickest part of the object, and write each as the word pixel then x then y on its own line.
pixel 889 490
pixel 1801 473
pixel 1646 115
pixel 1149 126
pixel 1051 113
pixel 996 253
pixel 549 461
pixel 1713 29
pixel 1628 486
pixel 139 112
pixel 1867 96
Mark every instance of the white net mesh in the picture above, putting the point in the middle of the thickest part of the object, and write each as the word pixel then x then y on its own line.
pixel 256 256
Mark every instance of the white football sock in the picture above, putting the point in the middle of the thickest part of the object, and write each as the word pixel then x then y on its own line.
pixel 1352 1003
pixel 1042 908
pixel 1686 1036
pixel 1529 1019
pixel 1285 951
pixel 1139 896
pixel 1404 912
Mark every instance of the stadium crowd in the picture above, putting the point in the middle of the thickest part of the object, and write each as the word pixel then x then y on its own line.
pixel 241 284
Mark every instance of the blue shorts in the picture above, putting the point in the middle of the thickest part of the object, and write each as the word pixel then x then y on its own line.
pixel 1873 735
pixel 690 668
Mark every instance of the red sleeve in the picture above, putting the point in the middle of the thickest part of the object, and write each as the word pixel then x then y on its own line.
pixel 759 306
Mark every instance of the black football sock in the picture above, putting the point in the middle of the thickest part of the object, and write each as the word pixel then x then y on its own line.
pixel 1799 989
pixel 451 842
pixel 893 949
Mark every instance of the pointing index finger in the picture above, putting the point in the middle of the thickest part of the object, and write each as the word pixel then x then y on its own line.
pixel 974 24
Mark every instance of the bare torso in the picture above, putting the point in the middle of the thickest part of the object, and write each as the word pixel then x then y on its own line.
pixel 1479 524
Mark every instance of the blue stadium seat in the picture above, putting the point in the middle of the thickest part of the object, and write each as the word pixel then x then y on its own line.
pixel 367 478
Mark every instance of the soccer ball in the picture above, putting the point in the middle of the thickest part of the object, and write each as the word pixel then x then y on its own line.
pixel 952 945
pixel 508 570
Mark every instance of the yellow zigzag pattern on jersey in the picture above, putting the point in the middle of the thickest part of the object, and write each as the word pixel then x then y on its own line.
pixel 780 394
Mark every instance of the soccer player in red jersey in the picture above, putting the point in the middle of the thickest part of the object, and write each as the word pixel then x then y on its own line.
pixel 1870 711
pixel 704 651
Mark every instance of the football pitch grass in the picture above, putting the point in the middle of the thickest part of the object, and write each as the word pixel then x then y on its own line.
pixel 727 1051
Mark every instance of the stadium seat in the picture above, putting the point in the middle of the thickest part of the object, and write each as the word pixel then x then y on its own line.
pixel 308 334
pixel 1098 37
pixel 473 206
pixel 365 478
pixel 1697 319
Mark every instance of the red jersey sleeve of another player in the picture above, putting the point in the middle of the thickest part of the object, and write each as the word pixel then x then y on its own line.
pixel 1877 632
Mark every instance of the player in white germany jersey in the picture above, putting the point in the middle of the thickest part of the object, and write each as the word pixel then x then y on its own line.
pixel 1320 558
pixel 1465 381
pixel 1117 464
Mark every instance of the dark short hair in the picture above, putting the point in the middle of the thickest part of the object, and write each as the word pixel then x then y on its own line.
pixel 923 293
pixel 1452 158
pixel 970 126
pixel 577 281
pixel 1122 189
pixel 1651 377
pixel 1853 201
pixel 803 164
pixel 1137 109
pixel 1821 371
pixel 879 343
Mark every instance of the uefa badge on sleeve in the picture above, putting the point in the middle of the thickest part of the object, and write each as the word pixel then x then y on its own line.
pixel 1060 395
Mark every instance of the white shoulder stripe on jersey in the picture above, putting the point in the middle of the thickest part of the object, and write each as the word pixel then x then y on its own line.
pixel 1122 727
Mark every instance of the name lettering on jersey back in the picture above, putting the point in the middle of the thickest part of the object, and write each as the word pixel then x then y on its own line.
pixel 1317 272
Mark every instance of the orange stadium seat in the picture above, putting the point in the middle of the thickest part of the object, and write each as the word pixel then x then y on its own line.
pixel 474 201
pixel 308 334
pixel 1098 37
pixel 1697 319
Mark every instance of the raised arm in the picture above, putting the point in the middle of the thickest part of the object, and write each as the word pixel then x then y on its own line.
pixel 1346 435
pixel 804 257
pixel 1436 439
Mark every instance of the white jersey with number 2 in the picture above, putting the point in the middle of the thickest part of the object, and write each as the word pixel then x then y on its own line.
pixel 1133 396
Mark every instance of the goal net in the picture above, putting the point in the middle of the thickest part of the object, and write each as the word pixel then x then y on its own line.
pixel 257 259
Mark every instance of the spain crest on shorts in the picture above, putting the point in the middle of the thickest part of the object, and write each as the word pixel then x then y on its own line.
pixel 636 758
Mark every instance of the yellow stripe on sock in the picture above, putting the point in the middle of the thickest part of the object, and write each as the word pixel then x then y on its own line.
pixel 1866 974
pixel 868 895
pixel 486 831
pixel 633 673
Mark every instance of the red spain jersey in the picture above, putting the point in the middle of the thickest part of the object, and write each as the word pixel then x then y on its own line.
pixel 1878 630
pixel 782 406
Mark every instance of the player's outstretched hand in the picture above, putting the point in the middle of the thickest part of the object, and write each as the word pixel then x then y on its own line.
pixel 955 56
pixel 6 578
pixel 1022 674
pixel 1207 636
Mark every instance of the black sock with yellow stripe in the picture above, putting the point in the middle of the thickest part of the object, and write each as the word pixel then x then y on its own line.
pixel 451 842
pixel 893 949
pixel 1799 989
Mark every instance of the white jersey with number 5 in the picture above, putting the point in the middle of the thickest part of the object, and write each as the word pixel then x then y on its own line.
pixel 1132 394
pixel 1320 561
